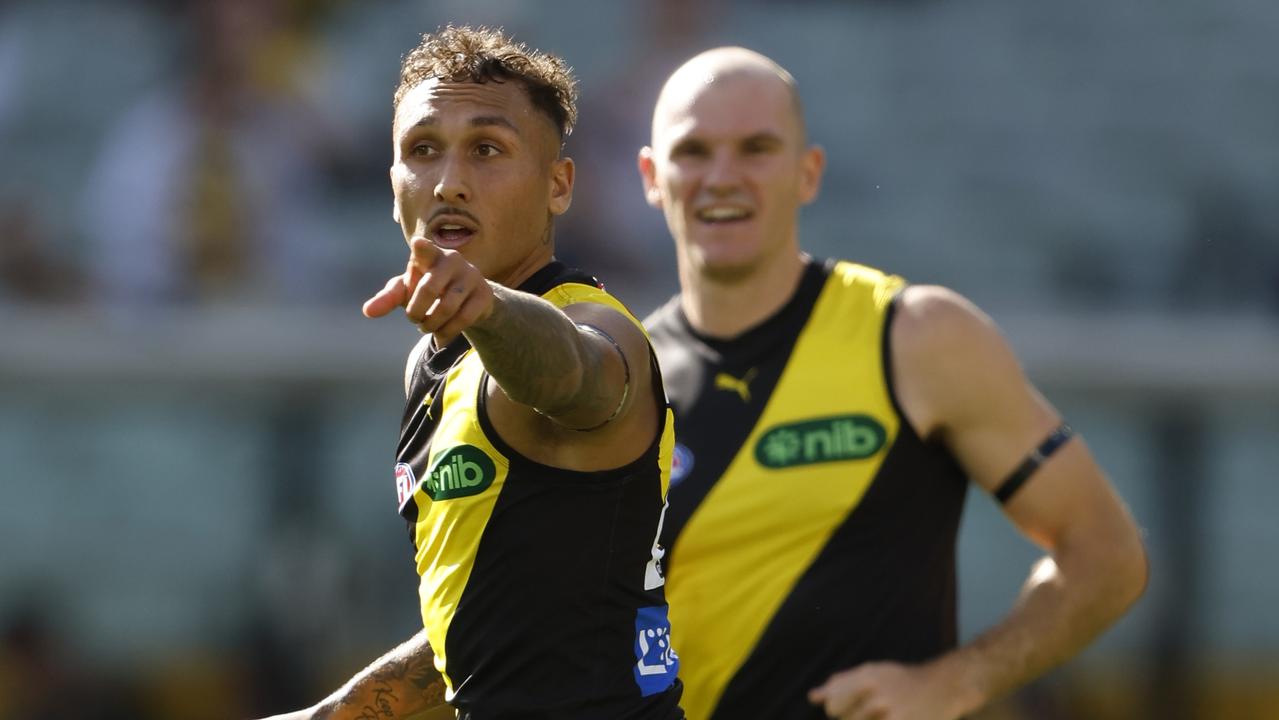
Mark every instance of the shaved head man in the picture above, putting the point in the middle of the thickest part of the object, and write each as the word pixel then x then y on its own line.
pixel 732 220
pixel 829 420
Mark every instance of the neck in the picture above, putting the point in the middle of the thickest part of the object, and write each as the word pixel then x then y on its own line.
pixel 516 275
pixel 726 307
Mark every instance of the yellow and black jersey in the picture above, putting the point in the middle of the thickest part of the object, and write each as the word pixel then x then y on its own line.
pixel 810 528
pixel 540 591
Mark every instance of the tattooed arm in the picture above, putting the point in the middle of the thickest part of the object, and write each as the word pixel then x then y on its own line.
pixel 401 682
pixel 579 376
pixel 537 354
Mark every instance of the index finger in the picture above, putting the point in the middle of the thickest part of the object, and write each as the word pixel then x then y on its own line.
pixel 424 254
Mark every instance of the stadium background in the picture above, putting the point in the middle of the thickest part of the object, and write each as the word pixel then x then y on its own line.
pixel 196 426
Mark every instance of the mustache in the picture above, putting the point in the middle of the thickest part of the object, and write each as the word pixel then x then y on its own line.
pixel 450 210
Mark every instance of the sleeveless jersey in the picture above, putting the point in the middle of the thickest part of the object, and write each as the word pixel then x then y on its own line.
pixel 540 591
pixel 810 528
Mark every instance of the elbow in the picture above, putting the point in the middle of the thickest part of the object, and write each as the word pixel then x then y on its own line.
pixel 1114 566
pixel 1136 572
pixel 1126 569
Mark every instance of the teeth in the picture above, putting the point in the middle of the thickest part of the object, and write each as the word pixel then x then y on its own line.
pixel 722 213
pixel 451 227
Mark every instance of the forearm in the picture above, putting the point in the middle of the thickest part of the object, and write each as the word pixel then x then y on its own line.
pixel 536 354
pixel 399 683
pixel 1060 611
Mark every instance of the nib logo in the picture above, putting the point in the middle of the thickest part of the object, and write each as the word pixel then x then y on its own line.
pixel 846 437
pixel 459 471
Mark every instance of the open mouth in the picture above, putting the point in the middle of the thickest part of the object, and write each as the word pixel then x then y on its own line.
pixel 451 232
pixel 724 214
pixel 451 236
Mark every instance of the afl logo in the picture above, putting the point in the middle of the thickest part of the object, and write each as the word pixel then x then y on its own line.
pixel 405 483
pixel 681 463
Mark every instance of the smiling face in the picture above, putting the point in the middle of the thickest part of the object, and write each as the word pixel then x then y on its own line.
pixel 477 170
pixel 728 165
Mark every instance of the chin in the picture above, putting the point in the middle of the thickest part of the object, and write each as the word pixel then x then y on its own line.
pixel 727 270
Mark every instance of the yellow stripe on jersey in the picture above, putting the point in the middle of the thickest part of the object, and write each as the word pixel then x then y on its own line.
pixel 448 531
pixel 821 438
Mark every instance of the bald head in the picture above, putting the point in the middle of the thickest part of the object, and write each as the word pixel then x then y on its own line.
pixel 720 66
pixel 729 167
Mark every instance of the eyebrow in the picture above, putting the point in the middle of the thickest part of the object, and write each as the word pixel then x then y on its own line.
pixel 478 121
pixel 767 137
pixel 688 143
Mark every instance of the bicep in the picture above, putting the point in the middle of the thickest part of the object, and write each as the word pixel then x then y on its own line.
pixel 620 353
pixel 1066 505
pixel 981 405
pixel 1066 499
pixel 607 377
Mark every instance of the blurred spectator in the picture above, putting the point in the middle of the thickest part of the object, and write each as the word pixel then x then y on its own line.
pixel 27 272
pixel 1231 257
pixel 209 189
pixel 39 681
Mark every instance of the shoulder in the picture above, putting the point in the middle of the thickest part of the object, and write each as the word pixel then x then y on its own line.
pixel 947 355
pixel 931 319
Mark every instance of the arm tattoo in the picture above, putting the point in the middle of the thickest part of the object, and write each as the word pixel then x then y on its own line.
pixel 379 706
pixel 415 669
pixel 402 681
pixel 626 382
pixel 428 681
pixel 536 355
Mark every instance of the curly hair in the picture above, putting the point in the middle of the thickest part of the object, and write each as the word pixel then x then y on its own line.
pixel 483 54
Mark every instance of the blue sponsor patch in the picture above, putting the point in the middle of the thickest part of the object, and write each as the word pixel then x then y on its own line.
pixel 656 663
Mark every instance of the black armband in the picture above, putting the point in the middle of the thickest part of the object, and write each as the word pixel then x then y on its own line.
pixel 1018 477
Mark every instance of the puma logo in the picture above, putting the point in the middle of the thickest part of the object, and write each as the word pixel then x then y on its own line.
pixel 724 381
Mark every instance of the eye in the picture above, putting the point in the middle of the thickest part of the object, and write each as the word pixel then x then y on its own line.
pixel 690 150
pixel 487 150
pixel 759 146
pixel 421 150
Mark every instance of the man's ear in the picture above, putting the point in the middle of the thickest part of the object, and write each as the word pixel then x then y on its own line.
pixel 812 164
pixel 648 173
pixel 562 172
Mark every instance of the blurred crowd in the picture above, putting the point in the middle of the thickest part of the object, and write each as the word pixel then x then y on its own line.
pixel 235 151
pixel 170 152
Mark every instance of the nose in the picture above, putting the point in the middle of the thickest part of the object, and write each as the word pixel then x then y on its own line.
pixel 452 186
pixel 722 176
